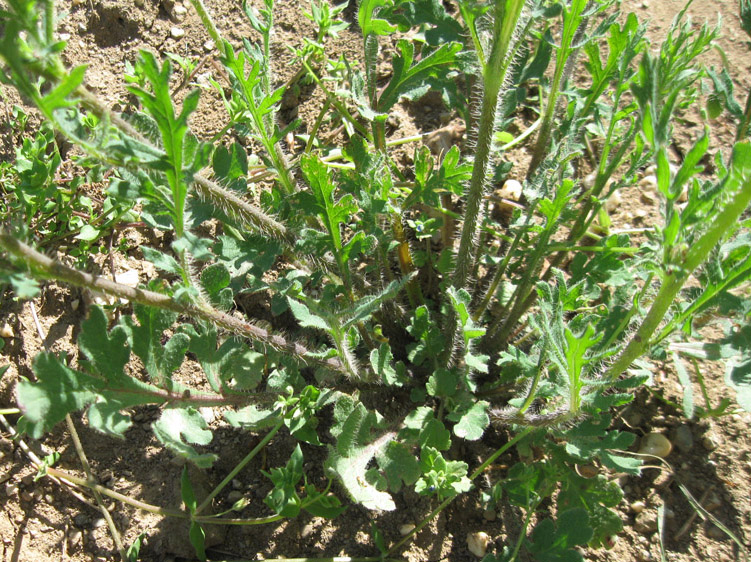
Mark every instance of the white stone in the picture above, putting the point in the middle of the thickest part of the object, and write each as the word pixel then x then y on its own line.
pixel 177 32
pixel 406 529
pixel 478 543
pixel 6 331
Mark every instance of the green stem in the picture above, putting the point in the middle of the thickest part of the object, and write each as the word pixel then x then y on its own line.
pixel 746 121
pixel 208 23
pixel 675 278
pixel 523 532
pixel 573 26
pixel 479 470
pixel 261 444
pixel 495 75
pixel 49 21
pixel 116 495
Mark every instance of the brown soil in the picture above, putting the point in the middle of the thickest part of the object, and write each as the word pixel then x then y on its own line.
pixel 40 520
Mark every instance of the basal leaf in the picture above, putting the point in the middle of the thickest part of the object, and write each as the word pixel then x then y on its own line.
pixel 399 465
pixel 59 391
pixel 177 428
pixel 473 422
pixel 434 434
pixel 549 544
pixel 108 353
pixel 251 418
pixel 351 471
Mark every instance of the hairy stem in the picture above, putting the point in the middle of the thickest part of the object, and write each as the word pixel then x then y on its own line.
pixel 676 277
pixel 45 266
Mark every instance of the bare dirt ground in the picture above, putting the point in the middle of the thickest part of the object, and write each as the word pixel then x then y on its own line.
pixel 40 521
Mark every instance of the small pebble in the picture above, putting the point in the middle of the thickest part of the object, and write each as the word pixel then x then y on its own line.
pixel 511 189
pixel 27 496
pixel 6 331
pixel 49 498
pixel 489 515
pixel 234 496
pixel 683 438
pixel 179 11
pixel 478 543
pixel 209 45
pixel 236 484
pixel 11 488
pixel 27 480
pixel 208 414
pixel 637 506
pixel 74 537
pixel 646 522
pixel 613 202
pixel 655 444
pixel 643 555
pixel 98 522
pixel 406 529
pixel 709 442
pixel 81 520
pixel 177 32
pixel 74 304
pixel 307 530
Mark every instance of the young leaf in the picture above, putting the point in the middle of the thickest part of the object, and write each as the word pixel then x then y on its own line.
pixel 178 427
pixel 60 390
pixel 198 540
pixel 473 422
pixel 186 491
pixel 441 477
pixel 145 339
pixel 108 353
pixel 595 495
pixel 399 465
pixel 283 499
pixel 551 544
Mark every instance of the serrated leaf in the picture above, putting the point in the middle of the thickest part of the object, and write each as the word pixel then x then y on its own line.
pixel 161 260
pixel 381 361
pixel 351 471
pixel 549 544
pixel 108 353
pixel 60 390
pixel 399 465
pixel 306 318
pixel 145 337
pixel 252 418
pixel 177 428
